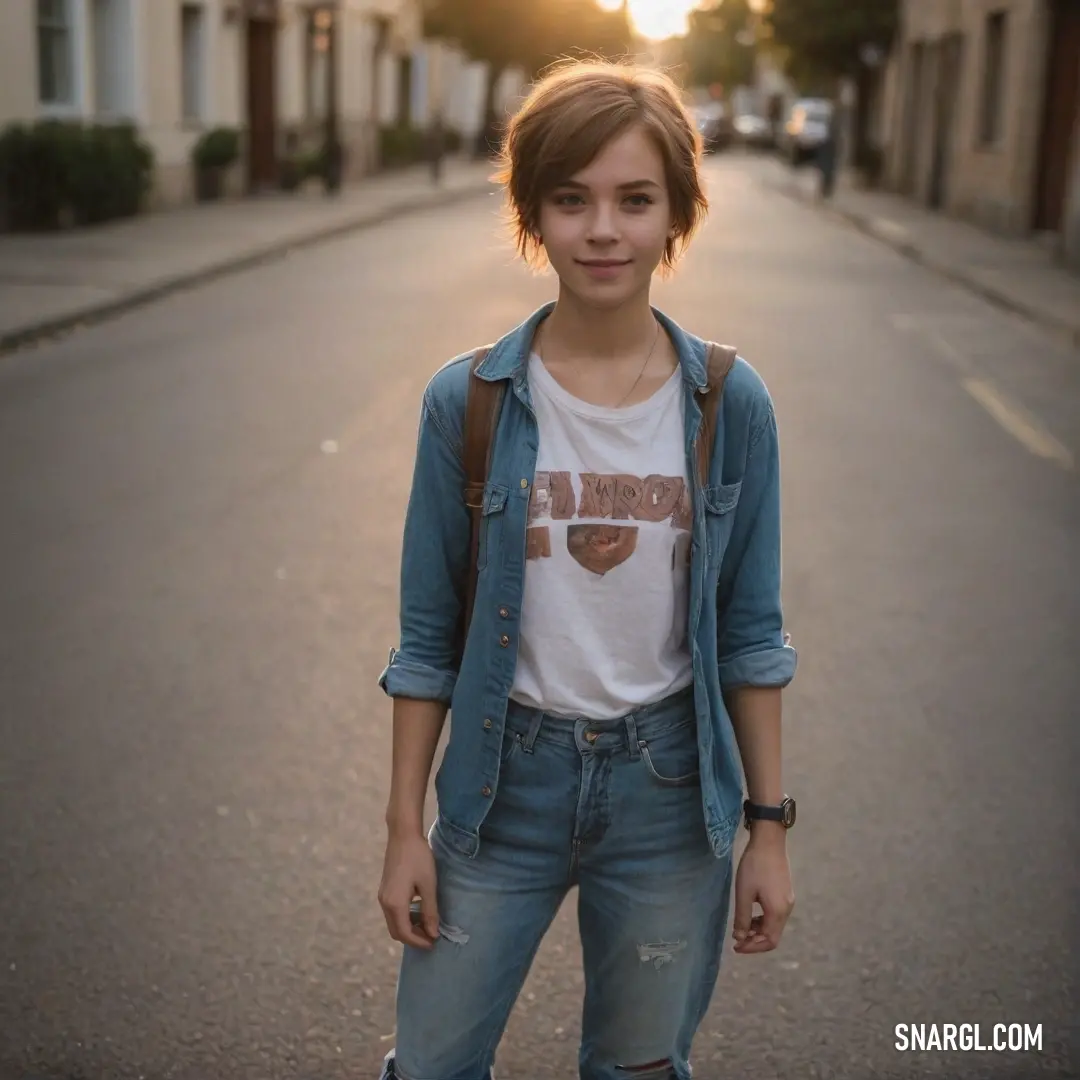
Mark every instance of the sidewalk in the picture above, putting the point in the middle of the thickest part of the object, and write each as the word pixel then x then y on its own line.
pixel 1020 275
pixel 50 283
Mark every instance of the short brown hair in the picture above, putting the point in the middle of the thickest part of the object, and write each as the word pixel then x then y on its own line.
pixel 570 116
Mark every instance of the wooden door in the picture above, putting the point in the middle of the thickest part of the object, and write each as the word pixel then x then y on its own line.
pixel 913 118
pixel 1060 114
pixel 261 103
pixel 949 59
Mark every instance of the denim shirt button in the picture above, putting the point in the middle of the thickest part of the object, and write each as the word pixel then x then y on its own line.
pixel 487 724
pixel 524 482
pixel 485 791
pixel 504 641
pixel 504 613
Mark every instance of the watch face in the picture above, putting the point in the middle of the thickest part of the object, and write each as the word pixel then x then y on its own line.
pixel 788 809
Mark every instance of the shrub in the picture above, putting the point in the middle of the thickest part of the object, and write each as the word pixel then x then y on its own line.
pixel 56 173
pixel 217 148
pixel 870 161
pixel 402 145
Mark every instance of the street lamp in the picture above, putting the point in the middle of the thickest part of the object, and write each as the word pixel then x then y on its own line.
pixel 325 18
pixel 871 55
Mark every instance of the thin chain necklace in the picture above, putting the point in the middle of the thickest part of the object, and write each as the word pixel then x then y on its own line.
pixel 618 405
pixel 656 338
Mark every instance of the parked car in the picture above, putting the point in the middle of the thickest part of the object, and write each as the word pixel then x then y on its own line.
pixel 714 123
pixel 806 130
pixel 754 131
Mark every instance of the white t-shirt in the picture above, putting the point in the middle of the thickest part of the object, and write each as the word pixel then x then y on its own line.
pixel 607 577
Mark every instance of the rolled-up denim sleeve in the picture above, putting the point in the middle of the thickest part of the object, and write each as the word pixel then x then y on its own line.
pixel 752 648
pixel 434 557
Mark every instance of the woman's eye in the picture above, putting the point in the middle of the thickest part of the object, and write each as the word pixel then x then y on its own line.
pixel 636 201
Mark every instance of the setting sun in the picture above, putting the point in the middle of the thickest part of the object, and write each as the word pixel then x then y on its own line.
pixel 656 19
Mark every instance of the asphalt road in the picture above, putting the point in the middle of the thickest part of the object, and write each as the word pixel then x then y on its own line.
pixel 201 511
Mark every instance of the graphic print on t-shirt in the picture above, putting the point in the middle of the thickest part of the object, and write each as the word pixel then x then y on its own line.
pixel 606 598
pixel 598 546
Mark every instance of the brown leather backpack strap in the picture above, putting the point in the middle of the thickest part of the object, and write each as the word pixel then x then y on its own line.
pixel 719 360
pixel 481 416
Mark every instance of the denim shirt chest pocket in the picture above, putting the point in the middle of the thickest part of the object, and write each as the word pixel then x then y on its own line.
pixel 720 502
pixel 492 522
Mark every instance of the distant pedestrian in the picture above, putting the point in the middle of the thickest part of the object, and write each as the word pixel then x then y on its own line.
pixel 828 155
pixel 436 147
pixel 600 611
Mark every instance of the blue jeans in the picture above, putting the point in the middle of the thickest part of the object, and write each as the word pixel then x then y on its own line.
pixel 615 808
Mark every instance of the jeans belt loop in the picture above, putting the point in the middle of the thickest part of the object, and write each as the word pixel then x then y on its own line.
pixel 534 730
pixel 632 737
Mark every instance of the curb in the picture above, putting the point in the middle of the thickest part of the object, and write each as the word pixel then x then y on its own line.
pixel 12 340
pixel 869 226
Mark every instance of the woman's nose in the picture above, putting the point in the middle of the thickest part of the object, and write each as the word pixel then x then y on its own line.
pixel 603 224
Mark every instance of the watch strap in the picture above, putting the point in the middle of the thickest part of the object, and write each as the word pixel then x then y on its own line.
pixel 784 813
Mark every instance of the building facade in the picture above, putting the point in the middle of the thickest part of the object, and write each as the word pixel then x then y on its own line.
pixel 177 68
pixel 983 113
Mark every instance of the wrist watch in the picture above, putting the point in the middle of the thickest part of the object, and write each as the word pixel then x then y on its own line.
pixel 784 813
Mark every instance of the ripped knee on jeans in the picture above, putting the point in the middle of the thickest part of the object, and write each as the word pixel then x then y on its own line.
pixel 653 1070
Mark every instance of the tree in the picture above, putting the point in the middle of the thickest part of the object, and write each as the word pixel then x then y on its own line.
pixel 831 35
pixel 530 35
pixel 719 46
pixel 837 38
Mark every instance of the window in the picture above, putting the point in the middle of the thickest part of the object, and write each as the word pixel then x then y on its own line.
pixel 193 62
pixel 317 63
pixel 111 39
pixel 990 113
pixel 56 83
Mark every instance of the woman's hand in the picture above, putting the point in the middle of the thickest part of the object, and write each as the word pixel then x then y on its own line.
pixel 765 877
pixel 408 872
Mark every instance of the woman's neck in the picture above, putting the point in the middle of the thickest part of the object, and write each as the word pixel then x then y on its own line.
pixel 585 332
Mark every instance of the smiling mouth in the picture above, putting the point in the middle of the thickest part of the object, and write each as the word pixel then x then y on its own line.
pixel 604 262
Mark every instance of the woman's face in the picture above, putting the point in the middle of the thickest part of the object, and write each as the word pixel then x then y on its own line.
pixel 605 229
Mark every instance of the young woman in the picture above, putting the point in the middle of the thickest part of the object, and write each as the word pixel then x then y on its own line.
pixel 625 655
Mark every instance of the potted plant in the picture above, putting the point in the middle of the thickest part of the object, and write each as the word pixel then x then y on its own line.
pixel 872 165
pixel 291 164
pixel 332 163
pixel 214 152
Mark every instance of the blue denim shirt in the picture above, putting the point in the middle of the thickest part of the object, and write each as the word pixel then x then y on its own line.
pixel 736 623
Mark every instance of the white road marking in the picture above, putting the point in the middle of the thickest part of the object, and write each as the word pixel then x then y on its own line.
pixel 956 357
pixel 930 328
pixel 1013 418
pixel 1021 425
pixel 329 447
